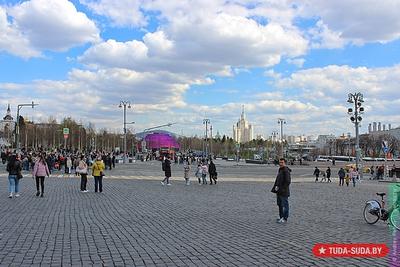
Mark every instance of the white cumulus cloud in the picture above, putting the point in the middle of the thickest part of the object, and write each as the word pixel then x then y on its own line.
pixel 32 26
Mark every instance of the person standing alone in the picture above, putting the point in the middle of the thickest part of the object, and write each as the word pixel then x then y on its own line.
pixel 40 171
pixel 82 169
pixel 98 173
pixel 282 191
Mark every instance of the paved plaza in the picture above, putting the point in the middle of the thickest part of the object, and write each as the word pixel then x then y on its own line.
pixel 138 222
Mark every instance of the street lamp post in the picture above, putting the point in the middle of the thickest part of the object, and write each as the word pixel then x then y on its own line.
pixel 17 125
pixel 281 122
pixel 124 104
pixel 357 99
pixel 211 140
pixel 348 145
pixel 206 122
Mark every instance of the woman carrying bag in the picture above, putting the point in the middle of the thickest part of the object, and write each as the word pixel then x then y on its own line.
pixel 39 172
pixel 98 173
pixel 14 168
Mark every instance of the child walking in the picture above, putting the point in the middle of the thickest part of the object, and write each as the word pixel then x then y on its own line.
pixel 199 173
pixel 347 178
pixel 186 170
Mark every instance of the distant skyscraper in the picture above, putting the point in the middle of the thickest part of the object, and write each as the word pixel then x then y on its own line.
pixel 242 130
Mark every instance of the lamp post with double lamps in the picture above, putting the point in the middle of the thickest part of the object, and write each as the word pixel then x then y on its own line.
pixel 19 106
pixel 281 122
pixel 355 117
pixel 124 104
pixel 206 122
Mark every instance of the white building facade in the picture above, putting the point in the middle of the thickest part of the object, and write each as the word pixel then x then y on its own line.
pixel 243 130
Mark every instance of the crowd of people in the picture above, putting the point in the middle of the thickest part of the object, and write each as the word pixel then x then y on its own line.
pixel 205 169
pixel 42 164
pixel 352 174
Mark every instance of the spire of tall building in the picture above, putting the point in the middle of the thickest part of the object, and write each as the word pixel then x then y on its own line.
pixel 242 130
pixel 8 116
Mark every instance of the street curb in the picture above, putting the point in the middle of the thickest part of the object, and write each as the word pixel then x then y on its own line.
pixel 393 182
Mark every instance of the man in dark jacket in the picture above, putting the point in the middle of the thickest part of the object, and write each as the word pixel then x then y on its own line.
pixel 341 174
pixel 316 173
pixel 328 174
pixel 281 188
pixel 212 170
pixel 166 167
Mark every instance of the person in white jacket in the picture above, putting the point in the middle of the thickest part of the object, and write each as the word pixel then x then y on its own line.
pixel 354 176
pixel 82 169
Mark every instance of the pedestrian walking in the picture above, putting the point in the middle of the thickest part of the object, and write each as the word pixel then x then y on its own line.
pixel 371 171
pixel 212 170
pixel 82 169
pixel 342 175
pixel 347 178
pixel 113 160
pixel 204 172
pixel 316 173
pixel 199 173
pixel 322 173
pixel 40 171
pixel 282 190
pixel 14 168
pixel 381 172
pixel 186 172
pixel 98 173
pixel 75 163
pixel 354 175
pixel 328 174
pixel 3 157
pixel 166 167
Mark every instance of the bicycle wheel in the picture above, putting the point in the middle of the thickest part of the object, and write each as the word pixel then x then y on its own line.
pixel 395 218
pixel 371 212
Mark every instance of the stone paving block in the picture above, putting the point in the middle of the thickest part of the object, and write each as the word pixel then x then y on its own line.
pixel 139 223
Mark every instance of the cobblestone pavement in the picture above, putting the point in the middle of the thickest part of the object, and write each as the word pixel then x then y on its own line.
pixel 141 223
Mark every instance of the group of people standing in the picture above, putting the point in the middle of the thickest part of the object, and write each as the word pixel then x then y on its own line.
pixel 41 169
pixel 204 169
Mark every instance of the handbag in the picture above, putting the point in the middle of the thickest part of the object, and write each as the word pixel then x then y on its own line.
pixel 19 175
pixel 273 190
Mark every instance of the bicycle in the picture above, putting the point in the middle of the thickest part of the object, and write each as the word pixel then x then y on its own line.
pixel 375 211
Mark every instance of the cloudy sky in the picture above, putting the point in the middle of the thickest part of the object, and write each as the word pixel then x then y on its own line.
pixel 184 60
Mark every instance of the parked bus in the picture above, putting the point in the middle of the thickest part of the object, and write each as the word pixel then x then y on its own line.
pixel 322 158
